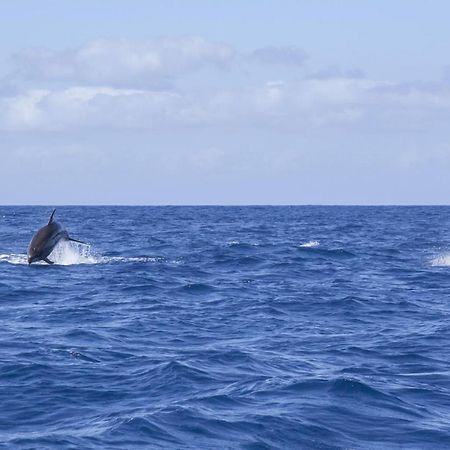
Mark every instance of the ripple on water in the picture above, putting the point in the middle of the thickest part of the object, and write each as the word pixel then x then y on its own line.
pixel 249 327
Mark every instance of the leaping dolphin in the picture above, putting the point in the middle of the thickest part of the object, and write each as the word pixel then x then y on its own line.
pixel 45 240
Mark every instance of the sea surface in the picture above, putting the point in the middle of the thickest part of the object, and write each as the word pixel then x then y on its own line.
pixel 227 327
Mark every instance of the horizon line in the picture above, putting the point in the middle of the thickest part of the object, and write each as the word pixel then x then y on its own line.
pixel 162 205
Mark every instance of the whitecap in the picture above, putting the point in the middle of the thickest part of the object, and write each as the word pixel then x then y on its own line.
pixel 14 258
pixel 441 260
pixel 310 244
pixel 132 259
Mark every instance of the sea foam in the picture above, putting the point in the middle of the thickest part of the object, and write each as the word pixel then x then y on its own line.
pixel 441 260
pixel 310 244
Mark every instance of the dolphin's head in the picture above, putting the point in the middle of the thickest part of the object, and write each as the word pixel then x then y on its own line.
pixel 33 254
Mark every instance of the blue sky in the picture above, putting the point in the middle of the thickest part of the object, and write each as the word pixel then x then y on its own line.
pixel 202 102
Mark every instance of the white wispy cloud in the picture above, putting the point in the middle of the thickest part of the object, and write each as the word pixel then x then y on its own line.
pixel 140 63
pixel 296 105
pixel 121 62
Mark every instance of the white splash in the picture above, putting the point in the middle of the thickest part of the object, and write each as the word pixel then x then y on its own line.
pixel 310 244
pixel 14 258
pixel 69 253
pixel 441 260
pixel 64 254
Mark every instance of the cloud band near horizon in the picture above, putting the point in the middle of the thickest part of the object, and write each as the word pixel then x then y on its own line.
pixel 192 82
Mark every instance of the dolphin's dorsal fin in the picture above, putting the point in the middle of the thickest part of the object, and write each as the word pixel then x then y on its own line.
pixel 51 217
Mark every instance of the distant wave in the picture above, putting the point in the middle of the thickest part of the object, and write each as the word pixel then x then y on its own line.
pixel 310 244
pixel 315 250
pixel 242 245
pixel 441 260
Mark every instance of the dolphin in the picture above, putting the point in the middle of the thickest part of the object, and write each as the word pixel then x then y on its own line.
pixel 45 240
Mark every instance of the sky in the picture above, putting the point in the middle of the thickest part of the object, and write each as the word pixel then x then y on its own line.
pixel 224 102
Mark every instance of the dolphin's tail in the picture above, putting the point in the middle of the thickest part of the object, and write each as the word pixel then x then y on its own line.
pixel 76 240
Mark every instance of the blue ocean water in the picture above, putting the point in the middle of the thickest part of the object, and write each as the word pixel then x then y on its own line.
pixel 227 327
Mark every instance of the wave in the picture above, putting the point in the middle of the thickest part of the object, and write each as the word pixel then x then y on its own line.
pixel 197 288
pixel 318 251
pixel 238 245
pixel 310 244
pixel 441 260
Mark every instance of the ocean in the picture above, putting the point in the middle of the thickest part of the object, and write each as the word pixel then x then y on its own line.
pixel 258 327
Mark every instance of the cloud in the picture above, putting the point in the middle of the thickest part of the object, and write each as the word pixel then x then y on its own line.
pixel 87 107
pixel 302 105
pixel 121 62
pixel 150 64
pixel 122 84
pixel 290 56
pixel 336 72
